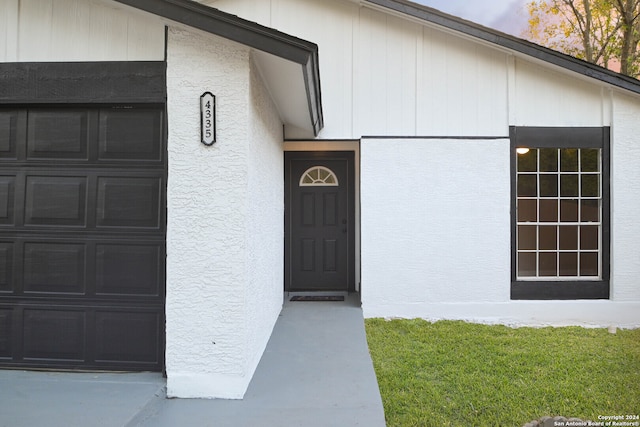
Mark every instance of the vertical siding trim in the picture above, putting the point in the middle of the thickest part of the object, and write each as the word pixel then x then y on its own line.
pixel 419 82
pixel 607 106
pixel 511 90
pixel 355 66
pixel 11 31
pixel 357 71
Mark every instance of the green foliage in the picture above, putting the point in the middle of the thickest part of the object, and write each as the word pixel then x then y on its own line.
pixel 603 32
pixel 461 374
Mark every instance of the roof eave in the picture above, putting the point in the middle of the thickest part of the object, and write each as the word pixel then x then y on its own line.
pixel 250 34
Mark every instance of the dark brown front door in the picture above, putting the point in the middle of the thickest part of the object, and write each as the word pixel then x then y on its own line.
pixel 319 221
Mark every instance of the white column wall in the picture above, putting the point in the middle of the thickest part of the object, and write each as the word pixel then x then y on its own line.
pixel 265 220
pixel 216 277
pixel 625 201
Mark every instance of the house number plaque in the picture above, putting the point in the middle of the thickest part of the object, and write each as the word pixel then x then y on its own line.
pixel 208 118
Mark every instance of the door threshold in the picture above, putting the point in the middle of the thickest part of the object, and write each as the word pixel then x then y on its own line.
pixel 288 295
pixel 350 298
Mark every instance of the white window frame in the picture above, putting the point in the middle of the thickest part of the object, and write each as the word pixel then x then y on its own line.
pixel 558 223
pixel 329 180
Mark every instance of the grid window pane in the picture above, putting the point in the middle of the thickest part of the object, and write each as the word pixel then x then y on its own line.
pixel 590 186
pixel 548 160
pixel 569 237
pixel 568 264
pixel 569 186
pixel 569 210
pixel 590 210
pixel 548 237
pixel 589 237
pixel 548 210
pixel 589 160
pixel 548 264
pixel 589 264
pixel 549 185
pixel 528 162
pixel 527 186
pixel 526 264
pixel 569 160
pixel 527 210
pixel 526 237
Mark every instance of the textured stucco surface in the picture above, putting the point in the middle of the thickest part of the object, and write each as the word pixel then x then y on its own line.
pixel 435 221
pixel 215 334
pixel 265 225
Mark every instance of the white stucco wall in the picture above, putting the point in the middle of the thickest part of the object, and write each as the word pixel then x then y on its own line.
pixel 378 73
pixel 265 225
pixel 435 224
pixel 222 298
pixel 436 233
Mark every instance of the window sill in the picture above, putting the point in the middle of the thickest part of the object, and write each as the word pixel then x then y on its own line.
pixel 559 290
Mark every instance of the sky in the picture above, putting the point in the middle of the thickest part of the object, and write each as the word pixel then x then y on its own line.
pixel 509 16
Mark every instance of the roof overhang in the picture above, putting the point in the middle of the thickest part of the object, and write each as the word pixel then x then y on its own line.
pixel 281 56
pixel 514 44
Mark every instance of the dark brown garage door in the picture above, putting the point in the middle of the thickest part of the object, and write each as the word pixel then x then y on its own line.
pixel 82 236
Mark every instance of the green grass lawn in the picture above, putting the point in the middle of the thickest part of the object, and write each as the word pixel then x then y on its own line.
pixel 460 374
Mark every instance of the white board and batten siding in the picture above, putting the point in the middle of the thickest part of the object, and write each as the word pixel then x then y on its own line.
pixel 543 96
pixel 77 30
pixel 381 74
pixel 387 75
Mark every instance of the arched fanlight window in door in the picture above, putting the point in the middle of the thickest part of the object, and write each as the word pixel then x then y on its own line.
pixel 318 176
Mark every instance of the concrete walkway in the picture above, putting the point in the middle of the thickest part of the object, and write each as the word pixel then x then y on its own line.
pixel 316 371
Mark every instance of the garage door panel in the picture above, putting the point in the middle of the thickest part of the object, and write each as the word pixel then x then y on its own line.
pixel 82 236
pixel 6 317
pixel 90 269
pixel 130 135
pixel 6 267
pixel 56 200
pixel 58 134
pixel 7 202
pixel 54 268
pixel 8 133
pixel 129 269
pixel 54 334
pixel 125 337
pixel 129 202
